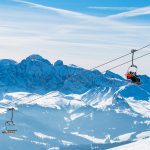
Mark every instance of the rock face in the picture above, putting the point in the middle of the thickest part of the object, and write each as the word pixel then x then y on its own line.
pixel 35 71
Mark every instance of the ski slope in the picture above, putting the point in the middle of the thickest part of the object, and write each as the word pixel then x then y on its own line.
pixel 143 144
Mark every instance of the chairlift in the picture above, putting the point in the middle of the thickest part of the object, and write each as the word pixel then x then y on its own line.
pixel 132 71
pixel 9 125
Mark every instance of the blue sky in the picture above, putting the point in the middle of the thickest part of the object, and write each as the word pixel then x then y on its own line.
pixel 92 7
pixel 81 32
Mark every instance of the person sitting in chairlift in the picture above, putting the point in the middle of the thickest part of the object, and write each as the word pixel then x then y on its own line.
pixel 133 77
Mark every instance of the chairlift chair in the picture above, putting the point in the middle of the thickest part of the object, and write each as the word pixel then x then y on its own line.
pixel 9 125
pixel 132 71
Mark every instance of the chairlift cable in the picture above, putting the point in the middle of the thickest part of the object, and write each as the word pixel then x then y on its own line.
pixel 87 71
pixel 8 122
pixel 97 75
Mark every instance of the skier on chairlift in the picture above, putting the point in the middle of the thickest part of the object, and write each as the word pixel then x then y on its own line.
pixel 132 75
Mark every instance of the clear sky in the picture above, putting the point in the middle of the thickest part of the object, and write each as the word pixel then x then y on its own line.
pixel 82 32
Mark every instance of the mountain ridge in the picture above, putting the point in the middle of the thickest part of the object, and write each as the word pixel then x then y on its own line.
pixel 80 108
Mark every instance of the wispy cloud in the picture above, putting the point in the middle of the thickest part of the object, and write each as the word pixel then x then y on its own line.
pixel 112 8
pixel 8 27
pixel 132 13
pixel 67 35
pixel 56 10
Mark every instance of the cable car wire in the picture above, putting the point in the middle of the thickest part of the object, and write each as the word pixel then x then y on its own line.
pixel 86 71
pixel 97 75
pixel 13 102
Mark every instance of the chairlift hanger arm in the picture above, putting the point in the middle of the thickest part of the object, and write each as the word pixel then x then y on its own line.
pixel 133 52
pixel 12 115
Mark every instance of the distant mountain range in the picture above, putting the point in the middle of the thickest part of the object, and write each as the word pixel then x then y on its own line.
pixel 82 109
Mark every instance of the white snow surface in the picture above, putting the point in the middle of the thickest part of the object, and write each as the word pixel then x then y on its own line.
pixel 2 110
pixel 143 135
pixel 16 138
pixel 107 105
pixel 141 107
pixel 43 136
pixel 124 137
pixel 67 143
pixel 76 115
pixel 143 144
pixel 90 138
pixel 104 103
pixel 54 148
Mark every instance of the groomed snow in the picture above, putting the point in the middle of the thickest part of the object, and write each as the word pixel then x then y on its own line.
pixel 143 144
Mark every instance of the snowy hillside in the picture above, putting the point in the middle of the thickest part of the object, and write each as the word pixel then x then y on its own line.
pixel 86 111
pixel 141 144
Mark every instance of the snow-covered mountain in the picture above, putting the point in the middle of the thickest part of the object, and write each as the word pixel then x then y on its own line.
pixel 81 109
pixel 141 144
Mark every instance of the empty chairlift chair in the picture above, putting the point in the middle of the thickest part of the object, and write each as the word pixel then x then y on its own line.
pixel 9 125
